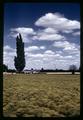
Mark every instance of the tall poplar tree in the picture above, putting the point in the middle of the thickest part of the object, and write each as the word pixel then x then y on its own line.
pixel 19 60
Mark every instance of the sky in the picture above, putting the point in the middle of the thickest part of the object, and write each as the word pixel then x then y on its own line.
pixel 50 32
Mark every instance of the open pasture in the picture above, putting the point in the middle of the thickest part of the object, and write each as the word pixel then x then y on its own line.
pixel 41 95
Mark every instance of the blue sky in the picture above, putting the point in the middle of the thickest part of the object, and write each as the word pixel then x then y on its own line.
pixel 50 31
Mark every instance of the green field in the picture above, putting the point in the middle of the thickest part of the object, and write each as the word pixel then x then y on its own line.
pixel 41 95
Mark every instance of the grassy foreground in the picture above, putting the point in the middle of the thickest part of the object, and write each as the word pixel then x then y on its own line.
pixel 41 95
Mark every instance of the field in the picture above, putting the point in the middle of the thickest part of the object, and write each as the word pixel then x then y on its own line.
pixel 41 95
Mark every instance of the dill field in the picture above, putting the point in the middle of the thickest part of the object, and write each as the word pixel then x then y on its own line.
pixel 41 95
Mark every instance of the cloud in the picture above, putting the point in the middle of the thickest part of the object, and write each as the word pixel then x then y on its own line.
pixel 69 51
pixel 51 27
pixel 69 56
pixel 39 60
pixel 23 30
pixel 61 44
pixel 8 56
pixel 66 45
pixel 48 34
pixel 54 25
pixel 59 52
pixel 76 33
pixel 26 33
pixel 34 48
pixel 34 56
pixel 8 48
pixel 48 59
pixel 67 31
pixel 58 22
pixel 42 47
pixel 50 30
pixel 49 37
pixel 49 52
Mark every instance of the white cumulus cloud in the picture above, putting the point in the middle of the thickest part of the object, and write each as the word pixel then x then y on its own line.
pixel 23 30
pixel 66 45
pixel 42 47
pixel 8 56
pixel 50 52
pixel 76 33
pixel 58 22
pixel 48 59
pixel 41 35
pixel 26 33
pixel 32 48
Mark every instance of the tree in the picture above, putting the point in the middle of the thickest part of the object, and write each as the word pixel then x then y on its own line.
pixel 72 68
pixel 42 70
pixel 32 70
pixel 19 61
pixel 5 68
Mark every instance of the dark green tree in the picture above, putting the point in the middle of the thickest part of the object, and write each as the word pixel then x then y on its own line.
pixel 5 68
pixel 42 70
pixel 19 60
pixel 72 68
